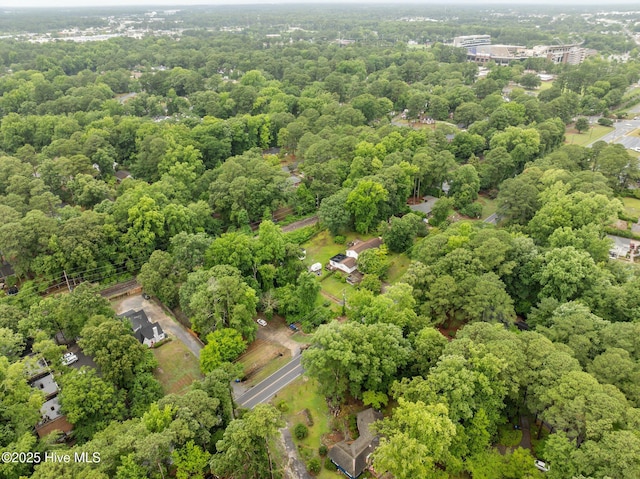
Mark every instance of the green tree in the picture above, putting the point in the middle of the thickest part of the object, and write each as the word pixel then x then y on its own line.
pixel 243 451
pixel 582 124
pixel 401 232
pixel 365 202
pixel 89 402
pixel 223 345
pixel 356 357
pixel 426 432
pixel 158 278
pixel 333 214
pixel 465 184
pixel 115 350
pixel 190 461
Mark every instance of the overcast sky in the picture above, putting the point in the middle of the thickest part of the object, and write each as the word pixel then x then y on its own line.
pixel 178 3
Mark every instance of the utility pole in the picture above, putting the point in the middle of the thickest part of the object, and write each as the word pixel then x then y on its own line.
pixel 67 280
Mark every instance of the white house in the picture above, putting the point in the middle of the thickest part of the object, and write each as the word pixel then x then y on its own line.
pixel 146 332
pixel 343 263
pixel 361 246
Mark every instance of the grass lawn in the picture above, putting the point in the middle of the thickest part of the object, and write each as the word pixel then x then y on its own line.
pixel 300 395
pixel 582 139
pixel 635 154
pixel 335 287
pixel 399 265
pixel 489 206
pixel 177 367
pixel 631 206
pixel 322 247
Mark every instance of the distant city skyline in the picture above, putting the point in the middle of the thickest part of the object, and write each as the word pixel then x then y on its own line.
pixel 186 3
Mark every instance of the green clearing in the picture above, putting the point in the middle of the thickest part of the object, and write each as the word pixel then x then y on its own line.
pixel 322 247
pixel 635 154
pixel 399 265
pixel 333 286
pixel 545 85
pixel 301 395
pixel 489 206
pixel 583 139
pixel 177 367
pixel 631 206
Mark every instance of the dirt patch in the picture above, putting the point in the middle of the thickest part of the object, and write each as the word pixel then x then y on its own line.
pixel 621 225
pixel 259 354
pixel 277 331
pixel 332 438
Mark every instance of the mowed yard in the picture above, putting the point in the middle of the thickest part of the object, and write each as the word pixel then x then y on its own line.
pixel 177 367
pixel 572 137
pixel 631 206
pixel 299 401
pixel 322 247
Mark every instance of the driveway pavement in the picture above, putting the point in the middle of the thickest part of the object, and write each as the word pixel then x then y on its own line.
pixel 296 467
pixel 266 389
pixel 156 313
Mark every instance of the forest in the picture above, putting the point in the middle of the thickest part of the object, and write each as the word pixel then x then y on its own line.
pixel 184 159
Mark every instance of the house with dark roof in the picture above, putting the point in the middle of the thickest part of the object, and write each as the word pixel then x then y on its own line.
pixel 360 246
pixel 145 331
pixel 352 458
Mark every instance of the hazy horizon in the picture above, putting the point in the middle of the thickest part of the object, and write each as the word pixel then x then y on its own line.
pixel 187 3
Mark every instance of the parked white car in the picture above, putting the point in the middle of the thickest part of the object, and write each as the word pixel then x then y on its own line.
pixel 69 358
pixel 261 322
pixel 541 465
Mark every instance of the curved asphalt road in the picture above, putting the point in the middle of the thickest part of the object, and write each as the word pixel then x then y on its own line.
pixel 267 388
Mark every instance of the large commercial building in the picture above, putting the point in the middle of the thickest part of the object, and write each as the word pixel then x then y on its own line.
pixel 469 41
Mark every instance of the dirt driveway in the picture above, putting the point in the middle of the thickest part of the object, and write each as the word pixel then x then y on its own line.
pixel 156 313
pixel 277 331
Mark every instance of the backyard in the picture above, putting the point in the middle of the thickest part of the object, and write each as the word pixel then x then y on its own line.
pixel 303 404
pixel 177 367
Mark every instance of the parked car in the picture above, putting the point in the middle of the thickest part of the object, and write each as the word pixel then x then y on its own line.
pixel 293 327
pixel 261 322
pixel 69 358
pixel 541 465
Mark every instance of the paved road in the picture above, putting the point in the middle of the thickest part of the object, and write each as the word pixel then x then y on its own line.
pixel 493 219
pixel 265 390
pixel 300 224
pixel 618 135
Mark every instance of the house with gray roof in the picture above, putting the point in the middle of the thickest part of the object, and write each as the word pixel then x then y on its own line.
pixel 145 331
pixel 352 457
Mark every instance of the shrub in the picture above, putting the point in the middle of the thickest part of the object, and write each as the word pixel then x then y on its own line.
pixel 282 405
pixel 322 450
pixel 339 239
pixel 605 121
pixel 314 466
pixel 300 431
pixel 330 466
